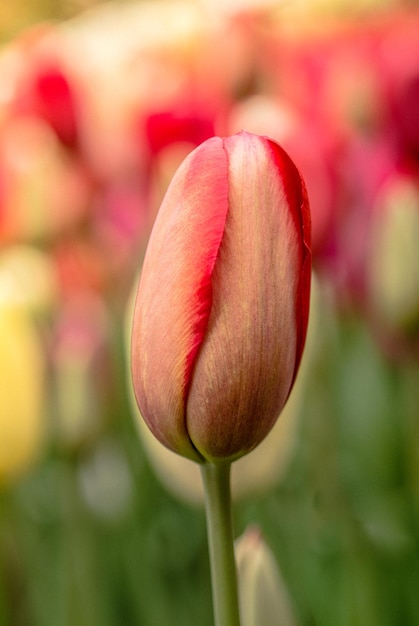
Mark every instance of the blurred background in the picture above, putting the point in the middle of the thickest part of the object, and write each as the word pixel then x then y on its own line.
pixel 99 103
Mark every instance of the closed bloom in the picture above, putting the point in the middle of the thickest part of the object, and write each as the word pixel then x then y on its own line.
pixel 222 306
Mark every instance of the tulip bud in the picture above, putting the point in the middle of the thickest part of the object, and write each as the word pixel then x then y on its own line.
pixel 264 599
pixel 222 306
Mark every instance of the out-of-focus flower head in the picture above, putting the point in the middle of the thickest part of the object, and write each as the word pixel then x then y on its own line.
pixel 44 192
pixel 22 391
pixel 45 89
pixel 180 124
pixel 80 365
pixel 366 164
pixel 133 66
pixel 393 266
pixel 264 598
pixel 399 67
pixel 28 278
pixel 405 110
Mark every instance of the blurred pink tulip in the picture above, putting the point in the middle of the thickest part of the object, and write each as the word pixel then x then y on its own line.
pixel 222 305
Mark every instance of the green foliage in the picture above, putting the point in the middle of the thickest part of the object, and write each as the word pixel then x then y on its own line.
pixel 88 548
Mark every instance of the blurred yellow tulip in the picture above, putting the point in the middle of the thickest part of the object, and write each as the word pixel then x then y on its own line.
pixel 28 278
pixel 22 373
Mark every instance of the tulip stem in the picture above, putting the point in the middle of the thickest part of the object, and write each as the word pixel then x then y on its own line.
pixel 216 480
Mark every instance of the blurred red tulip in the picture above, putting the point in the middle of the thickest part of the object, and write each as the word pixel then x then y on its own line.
pixel 51 96
pixel 164 128
pixel 43 83
pixel 222 306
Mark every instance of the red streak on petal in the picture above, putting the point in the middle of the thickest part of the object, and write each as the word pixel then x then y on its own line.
pixel 209 238
pixel 297 199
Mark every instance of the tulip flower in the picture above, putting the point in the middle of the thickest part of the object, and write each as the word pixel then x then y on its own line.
pixel 222 306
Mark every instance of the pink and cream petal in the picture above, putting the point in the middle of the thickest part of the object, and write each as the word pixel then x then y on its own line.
pixel 175 292
pixel 246 364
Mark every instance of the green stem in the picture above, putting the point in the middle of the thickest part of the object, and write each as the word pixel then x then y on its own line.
pixel 4 532
pixel 216 480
